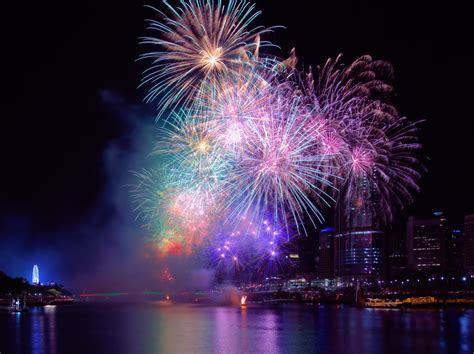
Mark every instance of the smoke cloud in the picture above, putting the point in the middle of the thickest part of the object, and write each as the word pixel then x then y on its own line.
pixel 105 250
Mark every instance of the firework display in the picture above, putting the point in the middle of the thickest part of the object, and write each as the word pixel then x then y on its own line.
pixel 252 149
pixel 196 41
pixel 257 245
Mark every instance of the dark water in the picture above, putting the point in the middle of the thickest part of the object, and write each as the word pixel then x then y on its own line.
pixel 158 328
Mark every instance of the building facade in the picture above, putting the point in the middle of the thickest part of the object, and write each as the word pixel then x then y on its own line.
pixel 454 251
pixel 469 244
pixel 325 260
pixel 358 240
pixel 397 257
pixel 359 253
pixel 426 243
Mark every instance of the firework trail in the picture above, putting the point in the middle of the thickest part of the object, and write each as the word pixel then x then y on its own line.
pixel 377 150
pixel 193 43
pixel 250 138
pixel 176 218
pixel 249 246
pixel 194 161
pixel 278 169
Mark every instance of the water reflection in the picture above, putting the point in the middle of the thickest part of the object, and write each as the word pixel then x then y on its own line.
pixel 179 330
pixel 170 328
pixel 50 312
pixel 465 327
pixel 17 319
pixel 244 329
pixel 37 332
pixel 43 330
pixel 225 329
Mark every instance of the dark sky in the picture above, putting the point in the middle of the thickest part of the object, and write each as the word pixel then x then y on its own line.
pixel 72 111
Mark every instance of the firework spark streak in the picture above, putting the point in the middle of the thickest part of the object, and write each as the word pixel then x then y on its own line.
pixel 196 42
pixel 251 137
pixel 280 166
pixel 377 149
pixel 249 244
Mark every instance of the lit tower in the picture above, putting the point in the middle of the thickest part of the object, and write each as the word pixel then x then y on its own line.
pixel 358 239
pixel 36 278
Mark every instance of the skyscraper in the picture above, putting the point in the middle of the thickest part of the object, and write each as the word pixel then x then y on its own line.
pixel 358 253
pixel 454 251
pixel 469 244
pixel 426 243
pixel 358 241
pixel 397 258
pixel 326 253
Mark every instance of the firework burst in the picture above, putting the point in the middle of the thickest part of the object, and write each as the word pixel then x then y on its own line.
pixel 280 167
pixel 194 43
pixel 249 246
pixel 251 138
pixel 377 150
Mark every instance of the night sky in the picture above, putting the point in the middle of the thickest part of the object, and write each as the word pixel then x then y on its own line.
pixel 74 126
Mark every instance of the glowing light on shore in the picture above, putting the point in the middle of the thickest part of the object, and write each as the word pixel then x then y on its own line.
pixel 243 300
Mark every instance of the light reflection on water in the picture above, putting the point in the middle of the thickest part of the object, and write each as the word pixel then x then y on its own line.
pixel 33 332
pixel 168 328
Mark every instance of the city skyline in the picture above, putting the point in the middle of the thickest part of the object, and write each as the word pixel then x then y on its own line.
pixel 237 176
pixel 65 186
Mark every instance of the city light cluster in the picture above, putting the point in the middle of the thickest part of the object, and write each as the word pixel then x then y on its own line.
pixel 244 135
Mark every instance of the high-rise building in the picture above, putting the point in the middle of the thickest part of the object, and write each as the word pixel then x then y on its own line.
pixel 397 257
pixel 358 253
pixel 454 251
pixel 358 241
pixel 469 244
pixel 325 268
pixel 426 243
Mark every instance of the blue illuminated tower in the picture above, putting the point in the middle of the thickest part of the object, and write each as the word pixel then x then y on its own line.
pixel 36 278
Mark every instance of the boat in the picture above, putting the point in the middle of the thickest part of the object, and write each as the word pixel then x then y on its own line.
pixel 18 306
pixel 382 303
pixel 460 302
pixel 422 301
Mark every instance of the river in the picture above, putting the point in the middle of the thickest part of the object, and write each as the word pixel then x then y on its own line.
pixel 90 328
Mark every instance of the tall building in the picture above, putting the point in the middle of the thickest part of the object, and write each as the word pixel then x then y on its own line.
pixel 426 243
pixel 358 241
pixel 469 244
pixel 454 251
pixel 325 262
pixel 358 253
pixel 397 257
